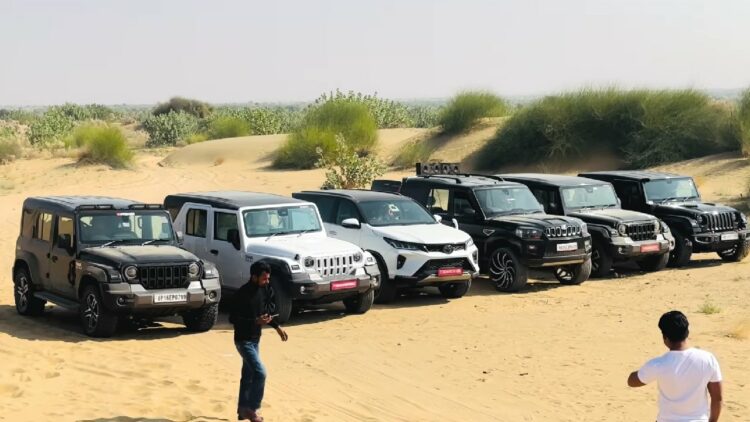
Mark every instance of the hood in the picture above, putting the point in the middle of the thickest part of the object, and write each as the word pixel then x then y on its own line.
pixel 540 221
pixel 611 216
pixel 290 246
pixel 426 234
pixel 690 209
pixel 136 254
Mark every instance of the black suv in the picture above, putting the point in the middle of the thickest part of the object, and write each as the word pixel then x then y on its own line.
pixel 109 259
pixel 695 225
pixel 617 234
pixel 508 225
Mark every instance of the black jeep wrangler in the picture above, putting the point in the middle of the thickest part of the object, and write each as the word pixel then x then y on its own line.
pixel 109 259
pixel 695 225
pixel 508 225
pixel 617 234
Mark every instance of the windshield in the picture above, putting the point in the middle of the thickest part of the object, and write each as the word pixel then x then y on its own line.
pixel 125 227
pixel 515 200
pixel 284 220
pixel 671 190
pixel 600 196
pixel 399 212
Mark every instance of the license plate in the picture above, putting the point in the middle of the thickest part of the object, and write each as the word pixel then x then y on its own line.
pixel 653 247
pixel 170 297
pixel 730 236
pixel 449 272
pixel 567 247
pixel 343 285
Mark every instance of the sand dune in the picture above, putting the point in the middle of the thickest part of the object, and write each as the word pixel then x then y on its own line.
pixel 551 353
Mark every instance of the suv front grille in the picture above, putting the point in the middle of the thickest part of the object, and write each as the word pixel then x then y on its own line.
pixel 721 222
pixel 563 231
pixel 164 276
pixel 334 265
pixel 442 247
pixel 642 231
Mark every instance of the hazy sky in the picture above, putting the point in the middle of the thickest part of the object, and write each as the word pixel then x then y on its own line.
pixel 144 51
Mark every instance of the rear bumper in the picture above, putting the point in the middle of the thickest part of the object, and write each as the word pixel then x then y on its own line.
pixel 125 298
pixel 713 242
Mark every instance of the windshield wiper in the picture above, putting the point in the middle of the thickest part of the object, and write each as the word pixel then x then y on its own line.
pixel 676 198
pixel 306 231
pixel 148 242
pixel 113 242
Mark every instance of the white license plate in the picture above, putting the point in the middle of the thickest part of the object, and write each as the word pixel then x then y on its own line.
pixel 170 297
pixel 567 247
pixel 730 236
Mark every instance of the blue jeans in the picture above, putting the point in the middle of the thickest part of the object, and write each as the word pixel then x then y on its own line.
pixel 253 381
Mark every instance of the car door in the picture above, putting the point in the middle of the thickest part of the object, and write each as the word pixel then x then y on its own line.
pixel 195 236
pixel 346 209
pixel 62 257
pixel 40 246
pixel 228 259
pixel 465 209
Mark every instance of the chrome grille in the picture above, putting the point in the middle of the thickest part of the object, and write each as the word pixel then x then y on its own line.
pixel 642 231
pixel 721 221
pixel 331 266
pixel 563 231
pixel 163 276
pixel 441 247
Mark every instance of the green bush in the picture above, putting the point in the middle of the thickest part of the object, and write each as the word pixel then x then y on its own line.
pixel 10 147
pixel 319 128
pixel 644 127
pixel 196 108
pixel 387 113
pixel 79 113
pixel 102 144
pixel 21 116
pixel 259 121
pixel 50 128
pixel 168 129
pixel 743 111
pixel 227 127
pixel 465 109
pixel 424 116
pixel 346 169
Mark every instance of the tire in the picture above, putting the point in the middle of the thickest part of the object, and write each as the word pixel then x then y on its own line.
pixel 203 319
pixel 654 263
pixel 680 255
pixel 454 290
pixel 506 271
pixel 737 253
pixel 361 303
pixel 96 320
pixel 574 274
pixel 387 291
pixel 601 261
pixel 282 301
pixel 23 293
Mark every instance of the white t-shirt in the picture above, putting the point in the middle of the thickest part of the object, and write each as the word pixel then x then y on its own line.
pixel 682 378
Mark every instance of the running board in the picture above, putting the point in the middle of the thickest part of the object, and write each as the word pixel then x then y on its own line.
pixel 57 300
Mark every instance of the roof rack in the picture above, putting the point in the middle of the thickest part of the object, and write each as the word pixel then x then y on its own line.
pixel 95 207
pixel 489 176
pixel 145 207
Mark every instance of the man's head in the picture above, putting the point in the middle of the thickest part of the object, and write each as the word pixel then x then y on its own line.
pixel 260 273
pixel 674 328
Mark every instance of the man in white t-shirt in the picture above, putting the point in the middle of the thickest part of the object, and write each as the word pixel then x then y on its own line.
pixel 683 375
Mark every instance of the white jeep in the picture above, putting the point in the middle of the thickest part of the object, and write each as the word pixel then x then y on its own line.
pixel 234 229
pixel 411 247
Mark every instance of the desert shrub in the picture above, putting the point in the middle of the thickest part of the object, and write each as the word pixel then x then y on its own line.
pixel 196 138
pixel 645 127
pixel 465 109
pixel 19 115
pixel 319 128
pixel 103 144
pixel 259 121
pixel 227 127
pixel 347 169
pixel 10 145
pixel 168 129
pixel 79 113
pixel 50 129
pixel 196 108
pixel 387 113
pixel 743 112
pixel 423 116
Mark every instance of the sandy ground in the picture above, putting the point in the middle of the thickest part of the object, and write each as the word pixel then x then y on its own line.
pixel 550 353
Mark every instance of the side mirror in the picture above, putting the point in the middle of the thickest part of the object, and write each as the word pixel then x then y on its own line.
pixel 438 218
pixel 180 237
pixel 455 223
pixel 351 223
pixel 233 236
pixel 65 242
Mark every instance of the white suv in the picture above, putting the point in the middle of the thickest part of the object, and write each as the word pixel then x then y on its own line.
pixel 234 229
pixel 409 244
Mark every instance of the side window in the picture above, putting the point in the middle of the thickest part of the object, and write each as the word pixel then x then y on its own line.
pixel 27 223
pixel 628 193
pixel 43 227
pixel 346 209
pixel 549 200
pixel 437 201
pixel 223 222
pixel 65 227
pixel 197 221
pixel 462 205
pixel 326 206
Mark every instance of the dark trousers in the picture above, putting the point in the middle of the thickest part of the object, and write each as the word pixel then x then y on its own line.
pixel 253 381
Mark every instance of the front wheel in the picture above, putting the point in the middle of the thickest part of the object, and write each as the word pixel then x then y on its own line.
pixel 360 303
pixel 601 260
pixel 200 320
pixel 282 301
pixel 574 274
pixel 654 263
pixel 387 290
pixel 26 303
pixel 735 254
pixel 683 249
pixel 507 273
pixel 96 320
pixel 454 290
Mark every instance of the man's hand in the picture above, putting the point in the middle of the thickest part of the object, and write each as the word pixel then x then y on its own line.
pixel 263 319
pixel 634 381
pixel 284 336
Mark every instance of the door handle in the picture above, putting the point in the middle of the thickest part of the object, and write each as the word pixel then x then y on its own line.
pixel 54 258
pixel 214 251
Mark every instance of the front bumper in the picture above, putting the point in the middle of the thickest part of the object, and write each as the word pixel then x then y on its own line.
pixel 623 248
pixel 317 290
pixel 717 242
pixel 552 257
pixel 126 298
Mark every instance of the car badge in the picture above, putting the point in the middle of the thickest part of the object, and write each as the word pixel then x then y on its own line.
pixel 448 249
pixel 488 232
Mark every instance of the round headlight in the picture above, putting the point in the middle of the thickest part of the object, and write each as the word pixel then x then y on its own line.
pixel 622 229
pixel 309 261
pixel 130 272
pixel 357 256
pixel 194 269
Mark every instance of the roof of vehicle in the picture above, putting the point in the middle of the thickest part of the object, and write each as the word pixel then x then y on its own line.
pixel 552 179
pixel 72 202
pixel 230 199
pixel 466 180
pixel 358 195
pixel 639 175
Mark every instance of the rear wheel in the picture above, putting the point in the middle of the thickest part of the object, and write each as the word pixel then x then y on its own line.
pixel 282 301
pixel 507 273
pixel 601 260
pixel 737 253
pixel 454 290
pixel 26 303
pixel 654 263
pixel 96 320
pixel 574 274
pixel 200 320
pixel 360 303
pixel 683 249
pixel 387 291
